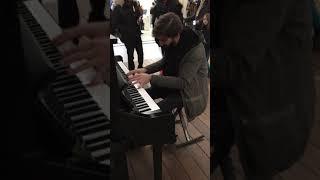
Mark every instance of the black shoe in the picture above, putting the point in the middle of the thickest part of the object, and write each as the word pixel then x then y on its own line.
pixel 140 66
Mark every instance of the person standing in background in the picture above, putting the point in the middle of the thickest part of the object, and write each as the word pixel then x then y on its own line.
pixel 68 12
pixel 206 33
pixel 125 21
pixel 164 6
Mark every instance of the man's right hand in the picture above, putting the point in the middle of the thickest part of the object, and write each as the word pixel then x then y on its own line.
pixel 140 70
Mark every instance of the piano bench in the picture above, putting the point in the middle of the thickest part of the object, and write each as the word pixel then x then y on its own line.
pixel 184 123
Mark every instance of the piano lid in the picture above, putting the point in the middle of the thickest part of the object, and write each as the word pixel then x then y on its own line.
pixel 100 93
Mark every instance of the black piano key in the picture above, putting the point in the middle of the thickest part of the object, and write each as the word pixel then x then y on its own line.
pixel 44 38
pixel 101 157
pixel 57 64
pixel 37 32
pixel 90 122
pixel 48 44
pixel 144 110
pixel 142 106
pixel 65 83
pixel 69 78
pixel 75 98
pixel 138 101
pixel 138 98
pixel 86 116
pixel 56 55
pixel 70 93
pixel 80 110
pixel 95 128
pixel 43 41
pixel 51 51
pixel 100 145
pixel 80 103
pixel 135 95
pixel 35 27
pixel 96 137
pixel 65 76
pixel 67 88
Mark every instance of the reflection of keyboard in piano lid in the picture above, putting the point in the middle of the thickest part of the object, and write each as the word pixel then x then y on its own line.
pixel 100 93
pixel 140 98
pixel 86 107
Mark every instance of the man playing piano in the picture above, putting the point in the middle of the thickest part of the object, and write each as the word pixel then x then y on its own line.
pixel 184 80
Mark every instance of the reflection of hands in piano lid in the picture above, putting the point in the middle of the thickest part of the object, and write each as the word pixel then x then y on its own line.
pixel 140 79
pixel 95 49
pixel 139 70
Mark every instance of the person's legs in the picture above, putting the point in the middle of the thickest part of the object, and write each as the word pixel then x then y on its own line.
pixel 170 98
pixel 130 51
pixel 139 49
pixel 97 10
pixel 68 13
pixel 172 101
pixel 155 92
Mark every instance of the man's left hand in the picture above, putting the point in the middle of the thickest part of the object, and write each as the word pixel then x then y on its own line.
pixel 141 78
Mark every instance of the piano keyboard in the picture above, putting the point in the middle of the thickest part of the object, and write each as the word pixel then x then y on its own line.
pixel 139 97
pixel 83 110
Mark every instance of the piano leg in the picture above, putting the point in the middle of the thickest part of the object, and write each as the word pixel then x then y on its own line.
pixel 157 161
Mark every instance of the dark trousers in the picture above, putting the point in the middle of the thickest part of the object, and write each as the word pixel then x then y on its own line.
pixel 68 12
pixel 97 10
pixel 171 98
pixel 135 43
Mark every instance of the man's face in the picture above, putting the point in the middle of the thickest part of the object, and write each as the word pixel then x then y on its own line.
pixel 165 41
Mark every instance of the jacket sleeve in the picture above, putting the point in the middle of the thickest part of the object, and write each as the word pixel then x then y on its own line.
pixel 155 67
pixel 188 70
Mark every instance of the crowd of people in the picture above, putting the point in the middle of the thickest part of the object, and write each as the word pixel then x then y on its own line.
pixel 126 23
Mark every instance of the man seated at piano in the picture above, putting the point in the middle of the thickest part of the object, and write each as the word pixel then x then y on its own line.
pixel 95 49
pixel 183 82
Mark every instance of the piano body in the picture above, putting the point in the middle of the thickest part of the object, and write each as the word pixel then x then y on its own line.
pixel 140 121
pixel 73 121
